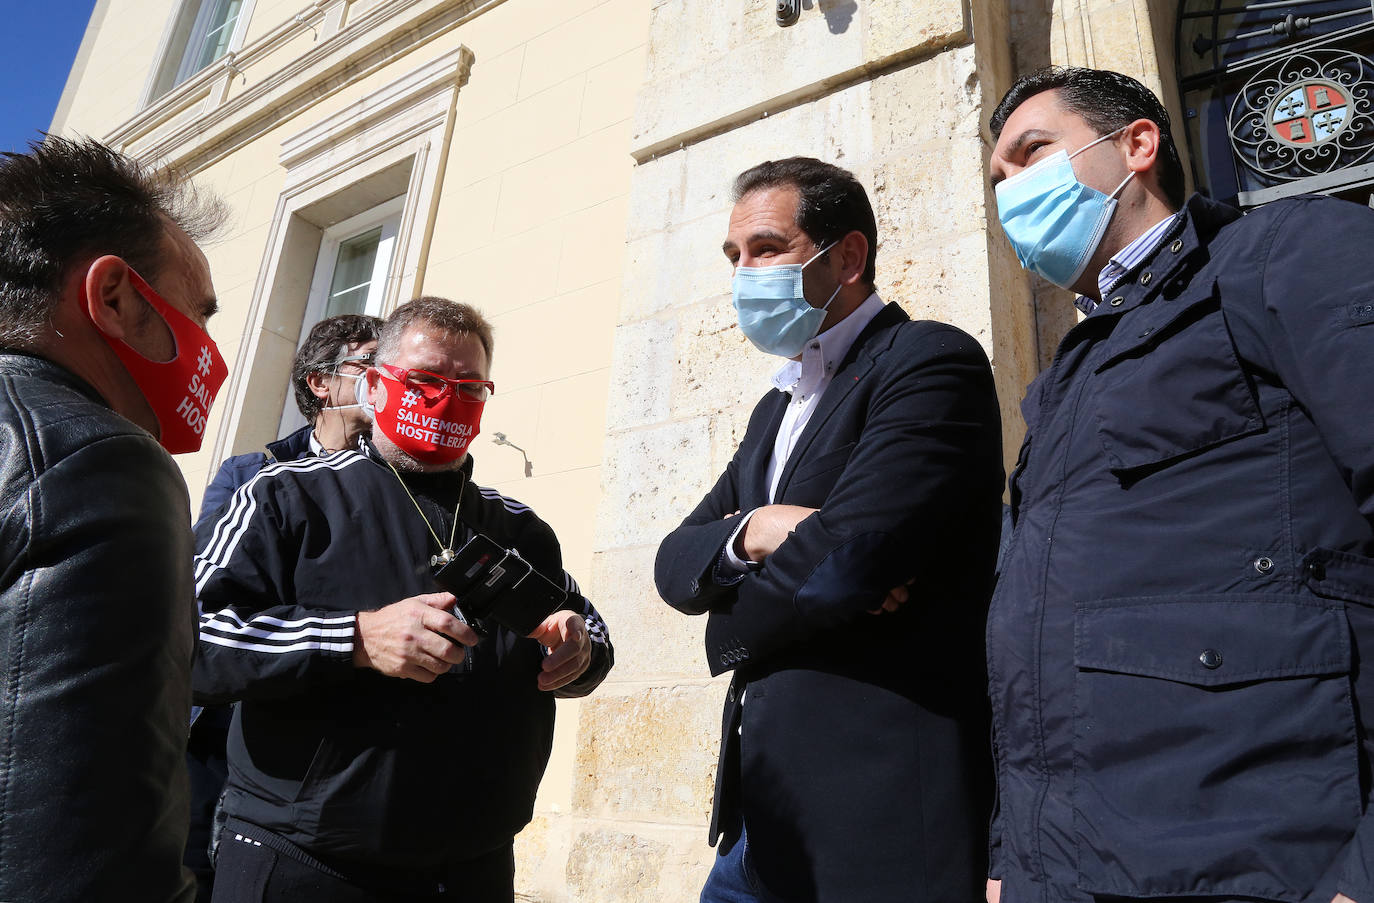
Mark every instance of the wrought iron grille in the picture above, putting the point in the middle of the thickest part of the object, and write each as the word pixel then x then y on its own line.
pixel 1278 97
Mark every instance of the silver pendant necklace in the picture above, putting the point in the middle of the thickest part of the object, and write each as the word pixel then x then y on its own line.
pixel 446 552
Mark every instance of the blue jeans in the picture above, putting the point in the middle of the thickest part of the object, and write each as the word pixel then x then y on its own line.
pixel 733 879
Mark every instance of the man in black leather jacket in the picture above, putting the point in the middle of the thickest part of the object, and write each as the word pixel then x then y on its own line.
pixel 96 625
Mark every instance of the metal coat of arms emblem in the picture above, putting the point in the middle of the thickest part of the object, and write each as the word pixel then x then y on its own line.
pixel 1305 114
pixel 1311 113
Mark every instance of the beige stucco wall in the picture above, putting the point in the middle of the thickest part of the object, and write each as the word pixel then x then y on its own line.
pixel 581 200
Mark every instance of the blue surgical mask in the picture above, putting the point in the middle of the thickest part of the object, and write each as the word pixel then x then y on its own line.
pixel 1054 221
pixel 773 312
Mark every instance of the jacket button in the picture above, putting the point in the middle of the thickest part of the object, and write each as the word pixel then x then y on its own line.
pixel 1264 564
pixel 1177 245
pixel 1145 278
pixel 1317 570
pixel 1210 658
pixel 1117 301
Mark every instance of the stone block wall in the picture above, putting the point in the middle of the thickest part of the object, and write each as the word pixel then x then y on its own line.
pixel 897 93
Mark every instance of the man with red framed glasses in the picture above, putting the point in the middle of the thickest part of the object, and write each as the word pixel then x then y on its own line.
pixel 382 748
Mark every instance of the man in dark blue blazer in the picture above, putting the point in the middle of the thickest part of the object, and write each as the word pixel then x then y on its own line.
pixel 845 558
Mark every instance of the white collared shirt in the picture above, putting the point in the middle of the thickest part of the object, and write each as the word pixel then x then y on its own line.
pixel 806 381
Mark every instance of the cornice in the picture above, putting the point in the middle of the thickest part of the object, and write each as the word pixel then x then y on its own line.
pixel 195 89
pixel 375 38
pixel 439 75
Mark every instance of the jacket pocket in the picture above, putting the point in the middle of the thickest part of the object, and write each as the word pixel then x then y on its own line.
pixel 1333 574
pixel 1014 494
pixel 814 477
pixel 1214 745
pixel 1171 385
pixel 324 763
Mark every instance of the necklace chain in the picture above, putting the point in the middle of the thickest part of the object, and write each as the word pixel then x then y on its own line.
pixel 445 551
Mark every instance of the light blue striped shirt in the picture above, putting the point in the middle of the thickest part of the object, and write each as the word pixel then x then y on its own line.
pixel 1125 260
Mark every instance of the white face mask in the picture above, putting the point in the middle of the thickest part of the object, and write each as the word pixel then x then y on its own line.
pixel 359 382
pixel 359 393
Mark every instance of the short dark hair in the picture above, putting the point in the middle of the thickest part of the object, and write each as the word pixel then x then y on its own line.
pixel 327 341
pixel 832 202
pixel 1106 101
pixel 66 199
pixel 448 316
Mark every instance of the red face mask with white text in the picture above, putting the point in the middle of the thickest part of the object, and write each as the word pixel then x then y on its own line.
pixel 430 418
pixel 181 390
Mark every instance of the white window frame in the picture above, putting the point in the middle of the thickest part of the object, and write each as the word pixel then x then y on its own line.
pixel 189 24
pixel 388 216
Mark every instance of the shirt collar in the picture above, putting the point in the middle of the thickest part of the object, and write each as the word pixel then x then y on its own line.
pixel 822 356
pixel 1126 259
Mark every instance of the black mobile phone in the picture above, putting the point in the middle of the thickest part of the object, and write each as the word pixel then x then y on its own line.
pixel 493 583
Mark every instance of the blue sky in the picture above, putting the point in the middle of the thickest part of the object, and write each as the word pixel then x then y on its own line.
pixel 43 38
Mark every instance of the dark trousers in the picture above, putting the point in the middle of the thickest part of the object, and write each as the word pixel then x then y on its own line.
pixel 208 767
pixel 247 871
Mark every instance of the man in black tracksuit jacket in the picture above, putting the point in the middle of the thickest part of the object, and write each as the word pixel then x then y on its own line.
pixel 346 783
pixel 324 379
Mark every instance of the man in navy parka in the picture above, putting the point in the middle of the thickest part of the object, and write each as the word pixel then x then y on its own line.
pixel 1176 645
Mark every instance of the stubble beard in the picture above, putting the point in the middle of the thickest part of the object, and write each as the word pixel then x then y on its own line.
pixel 393 455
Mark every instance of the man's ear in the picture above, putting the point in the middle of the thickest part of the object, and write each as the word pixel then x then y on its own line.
pixel 110 299
pixel 853 251
pixel 1142 145
pixel 376 392
pixel 318 381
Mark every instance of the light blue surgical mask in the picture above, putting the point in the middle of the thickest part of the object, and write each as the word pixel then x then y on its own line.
pixel 1054 221
pixel 773 312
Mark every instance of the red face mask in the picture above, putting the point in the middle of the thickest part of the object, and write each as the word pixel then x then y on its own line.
pixel 430 418
pixel 179 391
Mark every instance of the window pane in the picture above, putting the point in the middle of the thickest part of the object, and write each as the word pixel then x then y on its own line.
pixel 353 273
pixel 216 41
pixel 209 40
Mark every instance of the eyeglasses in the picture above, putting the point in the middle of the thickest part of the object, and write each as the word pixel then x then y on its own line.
pixel 362 361
pixel 433 387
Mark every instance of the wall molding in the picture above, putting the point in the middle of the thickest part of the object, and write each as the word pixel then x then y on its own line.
pixel 198 123
pixel 432 81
